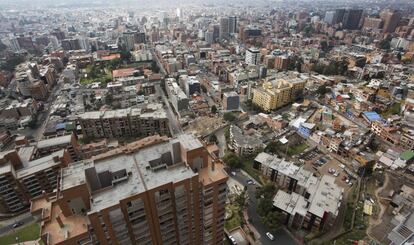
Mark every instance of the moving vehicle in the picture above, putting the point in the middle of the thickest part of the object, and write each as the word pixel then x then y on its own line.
pixel 17 224
pixel 270 236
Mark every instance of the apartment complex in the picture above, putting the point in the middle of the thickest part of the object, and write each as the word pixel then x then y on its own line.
pixel 244 145
pixel 148 120
pixel 252 56
pixel 153 191
pixel 22 179
pixel 310 202
pixel 68 142
pixel 276 93
pixel 285 174
pixel 178 98
pixel 281 62
pixel 231 101
pixel 316 210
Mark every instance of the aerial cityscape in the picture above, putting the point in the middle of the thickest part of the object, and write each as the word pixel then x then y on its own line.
pixel 251 122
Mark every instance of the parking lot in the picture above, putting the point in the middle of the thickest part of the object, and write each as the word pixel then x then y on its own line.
pixel 324 164
pixel 310 154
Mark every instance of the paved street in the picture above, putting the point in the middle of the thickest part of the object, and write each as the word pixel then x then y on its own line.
pixel 175 126
pixel 7 225
pixel 281 237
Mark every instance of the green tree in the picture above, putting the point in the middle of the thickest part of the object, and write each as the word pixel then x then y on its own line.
pixel 213 138
pixel 322 90
pixel 154 67
pixel 125 55
pixel 272 147
pixel 108 99
pixel 331 69
pixel 342 66
pixel 92 98
pixel 266 191
pixel 232 161
pixel 318 68
pixel 11 63
pixel 273 220
pixel 385 44
pixel 324 45
pixel 203 89
pixel 241 199
pixel 229 116
pixel 214 109
pixel 264 206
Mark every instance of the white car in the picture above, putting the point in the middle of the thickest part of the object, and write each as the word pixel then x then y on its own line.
pixel 233 241
pixel 233 173
pixel 270 236
pixel 336 174
pixel 342 166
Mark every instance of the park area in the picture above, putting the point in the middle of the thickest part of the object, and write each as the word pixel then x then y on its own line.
pixel 96 74
pixel 294 146
pixel 27 233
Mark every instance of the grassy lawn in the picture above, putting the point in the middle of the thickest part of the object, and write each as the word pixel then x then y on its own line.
pixel 27 233
pixel 248 167
pixel 235 219
pixel 354 235
pixel 394 109
pixel 86 81
pixel 297 149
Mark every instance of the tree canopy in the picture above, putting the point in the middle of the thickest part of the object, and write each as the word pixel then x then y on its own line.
pixel 229 116
pixel 232 160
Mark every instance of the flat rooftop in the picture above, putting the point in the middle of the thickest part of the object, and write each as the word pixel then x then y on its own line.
pixel 62 140
pixel 146 164
pixel 40 164
pixel 326 196
pixel 147 111
pixel 73 226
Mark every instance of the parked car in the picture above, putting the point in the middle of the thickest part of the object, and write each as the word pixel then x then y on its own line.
pixel 336 174
pixel 233 241
pixel 342 166
pixel 233 173
pixel 270 236
pixel 17 224
pixel 250 182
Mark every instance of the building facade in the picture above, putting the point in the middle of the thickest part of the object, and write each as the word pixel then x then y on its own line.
pixel 166 191
pixel 144 121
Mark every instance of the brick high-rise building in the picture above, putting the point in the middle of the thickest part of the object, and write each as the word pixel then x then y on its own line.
pixel 224 28
pixel 391 19
pixel 372 23
pixel 352 18
pixel 153 191
pixel 144 121
pixel 281 62
pixel 23 177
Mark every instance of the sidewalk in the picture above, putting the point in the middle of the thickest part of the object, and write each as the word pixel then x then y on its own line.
pixel 251 227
